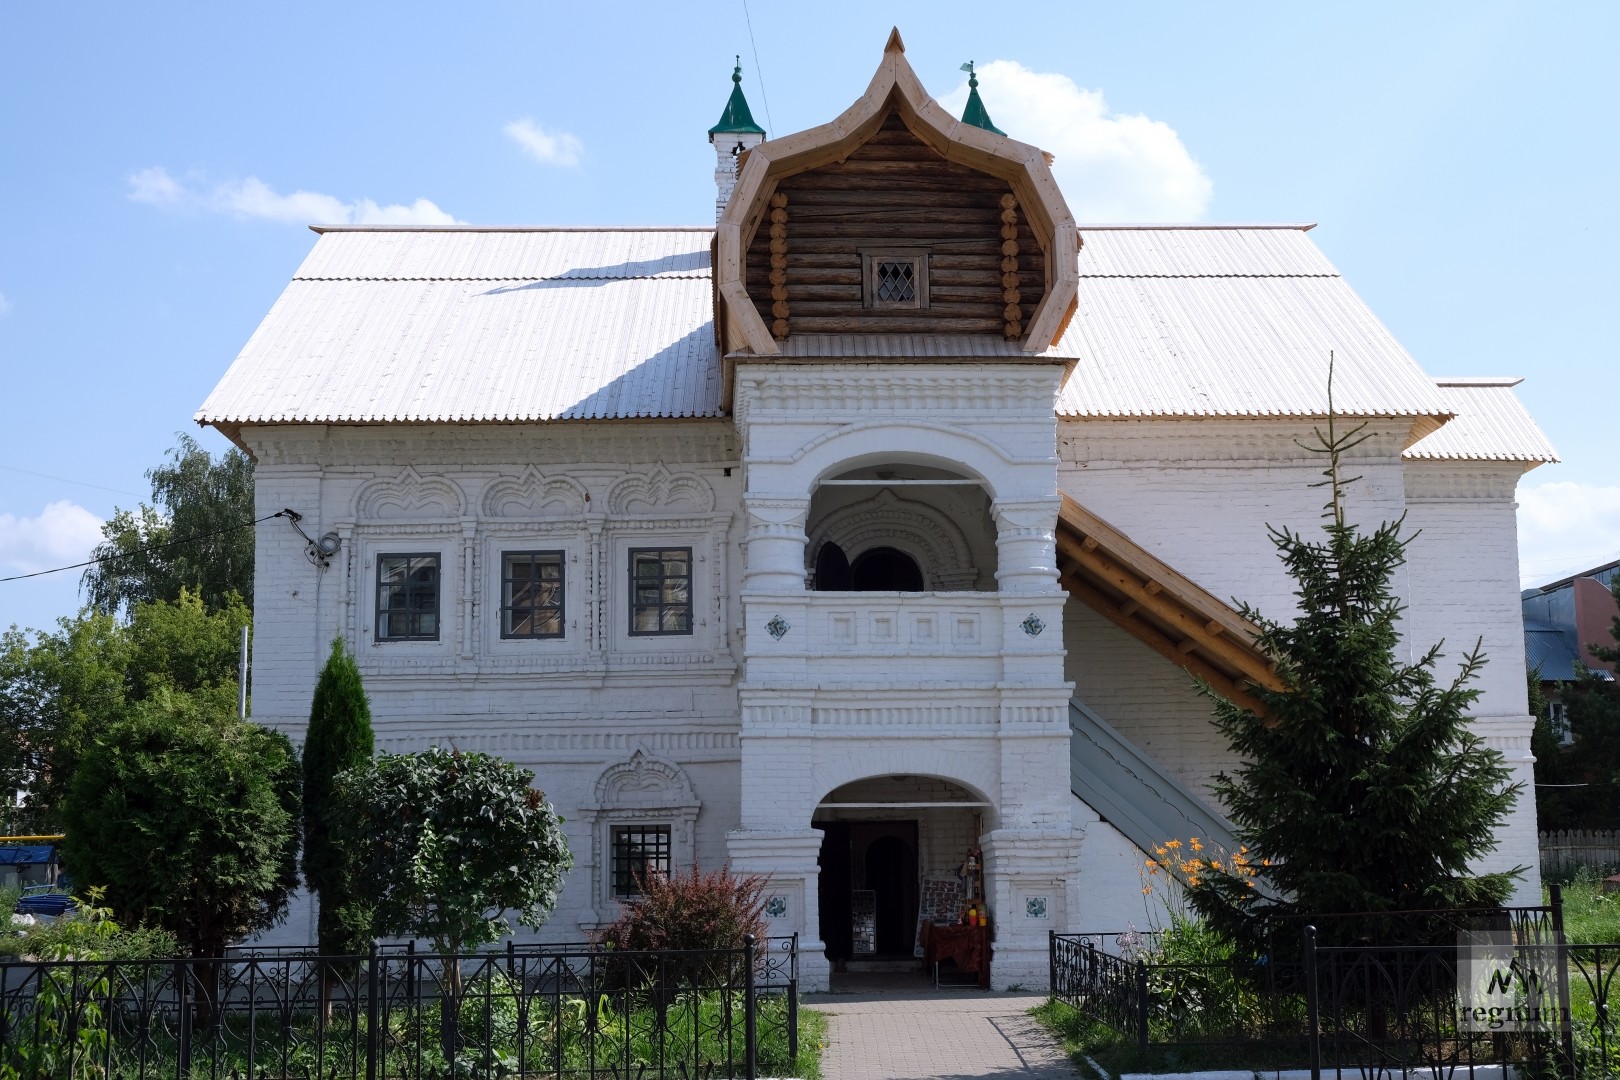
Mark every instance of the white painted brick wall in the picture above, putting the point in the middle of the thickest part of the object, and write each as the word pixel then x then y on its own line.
pixel 1198 495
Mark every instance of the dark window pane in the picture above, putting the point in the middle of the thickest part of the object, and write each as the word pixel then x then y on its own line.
pixel 532 594
pixel 407 597
pixel 638 851
pixel 661 591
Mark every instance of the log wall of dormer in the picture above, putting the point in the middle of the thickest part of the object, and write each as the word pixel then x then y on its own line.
pixel 895 192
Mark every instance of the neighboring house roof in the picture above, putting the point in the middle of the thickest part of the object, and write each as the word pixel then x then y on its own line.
pixel 468 325
pixel 1550 650
pixel 1491 425
pixel 1203 321
pixel 1604 574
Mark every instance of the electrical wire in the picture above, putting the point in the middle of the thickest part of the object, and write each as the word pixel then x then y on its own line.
pixel 759 73
pixel 150 547
pixel 69 480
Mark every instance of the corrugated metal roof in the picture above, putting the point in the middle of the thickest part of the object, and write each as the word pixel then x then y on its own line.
pixel 1190 251
pixel 417 351
pixel 1244 346
pixel 508 254
pixel 905 347
pixel 1550 650
pixel 1491 425
pixel 394 324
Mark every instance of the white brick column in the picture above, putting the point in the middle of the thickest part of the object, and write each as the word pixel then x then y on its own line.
pixel 775 543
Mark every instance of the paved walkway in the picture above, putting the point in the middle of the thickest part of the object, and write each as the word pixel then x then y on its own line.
pixel 906 1030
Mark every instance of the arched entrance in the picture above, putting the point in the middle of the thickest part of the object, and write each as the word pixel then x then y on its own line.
pixel 892 848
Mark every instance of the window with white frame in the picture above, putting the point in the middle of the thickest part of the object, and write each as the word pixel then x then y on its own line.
pixel 642 820
pixel 532 594
pixel 408 587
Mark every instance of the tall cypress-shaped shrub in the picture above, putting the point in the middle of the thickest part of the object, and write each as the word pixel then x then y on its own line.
pixel 339 738
pixel 1362 788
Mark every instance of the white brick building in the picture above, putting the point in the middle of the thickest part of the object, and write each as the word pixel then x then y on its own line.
pixel 881 522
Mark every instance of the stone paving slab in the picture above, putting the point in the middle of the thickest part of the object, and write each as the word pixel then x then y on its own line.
pixel 914 1034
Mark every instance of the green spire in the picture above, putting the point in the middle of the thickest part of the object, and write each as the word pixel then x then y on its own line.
pixel 974 113
pixel 737 120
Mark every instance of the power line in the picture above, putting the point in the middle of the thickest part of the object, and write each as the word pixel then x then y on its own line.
pixel 150 547
pixel 759 72
pixel 69 480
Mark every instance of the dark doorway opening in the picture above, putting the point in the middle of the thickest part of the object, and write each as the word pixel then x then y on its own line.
pixel 832 569
pixel 868 889
pixel 885 569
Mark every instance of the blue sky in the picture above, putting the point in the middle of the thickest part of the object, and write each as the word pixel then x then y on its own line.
pixel 158 164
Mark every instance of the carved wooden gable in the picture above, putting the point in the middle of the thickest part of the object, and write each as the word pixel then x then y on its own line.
pixel 895 238
pixel 895 217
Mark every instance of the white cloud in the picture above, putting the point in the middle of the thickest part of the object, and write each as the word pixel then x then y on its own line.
pixel 157 187
pixel 1111 166
pixel 1566 527
pixel 63 533
pixel 5 306
pixel 253 198
pixel 546 147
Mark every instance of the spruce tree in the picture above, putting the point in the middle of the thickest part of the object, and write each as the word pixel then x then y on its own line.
pixel 1361 788
pixel 339 738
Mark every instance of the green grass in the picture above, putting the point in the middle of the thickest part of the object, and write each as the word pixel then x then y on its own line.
pixel 1591 916
pixel 1084 1038
pixel 494 1041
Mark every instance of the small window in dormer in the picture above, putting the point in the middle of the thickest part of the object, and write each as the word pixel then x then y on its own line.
pixel 895 279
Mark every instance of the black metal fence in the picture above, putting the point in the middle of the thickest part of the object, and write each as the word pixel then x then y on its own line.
pixel 540 1011
pixel 1369 1007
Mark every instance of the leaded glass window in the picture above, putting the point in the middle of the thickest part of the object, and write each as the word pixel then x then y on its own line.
pixel 895 282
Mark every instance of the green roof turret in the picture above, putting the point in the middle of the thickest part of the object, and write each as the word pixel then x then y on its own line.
pixel 737 119
pixel 975 113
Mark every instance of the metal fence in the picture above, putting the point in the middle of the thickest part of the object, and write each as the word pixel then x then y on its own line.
pixel 541 1011
pixel 1401 1004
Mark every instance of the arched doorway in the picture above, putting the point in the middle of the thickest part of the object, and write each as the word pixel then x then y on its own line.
pixel 885 569
pixel 891 850
pixel 880 569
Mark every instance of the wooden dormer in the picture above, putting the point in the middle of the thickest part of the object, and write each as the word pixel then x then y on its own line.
pixel 895 218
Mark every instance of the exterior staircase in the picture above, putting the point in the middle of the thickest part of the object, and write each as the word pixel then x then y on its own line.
pixel 1145 803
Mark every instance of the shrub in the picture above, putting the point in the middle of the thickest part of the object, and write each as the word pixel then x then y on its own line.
pixel 690 912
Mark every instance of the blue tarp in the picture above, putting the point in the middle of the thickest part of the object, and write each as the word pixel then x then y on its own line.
pixel 27 854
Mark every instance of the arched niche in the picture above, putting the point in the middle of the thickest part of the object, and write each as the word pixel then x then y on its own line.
pixel 937 518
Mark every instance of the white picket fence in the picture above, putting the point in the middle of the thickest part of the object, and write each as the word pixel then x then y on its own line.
pixel 1565 849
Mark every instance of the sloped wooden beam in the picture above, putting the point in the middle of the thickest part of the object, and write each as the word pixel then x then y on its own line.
pixel 1234 690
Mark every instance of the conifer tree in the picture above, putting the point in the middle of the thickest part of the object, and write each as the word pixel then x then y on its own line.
pixel 1361 788
pixel 339 738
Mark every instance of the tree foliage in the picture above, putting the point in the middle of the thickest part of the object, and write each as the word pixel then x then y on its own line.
pixel 61 689
pixel 1362 788
pixel 339 738
pixel 188 817
pixel 454 842
pixel 191 537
